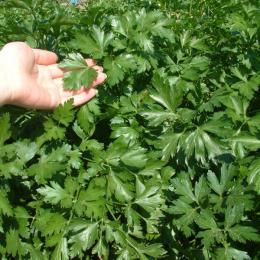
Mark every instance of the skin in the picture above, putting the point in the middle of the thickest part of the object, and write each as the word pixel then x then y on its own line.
pixel 31 78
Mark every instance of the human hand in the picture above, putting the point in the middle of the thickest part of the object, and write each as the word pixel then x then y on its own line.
pixel 31 78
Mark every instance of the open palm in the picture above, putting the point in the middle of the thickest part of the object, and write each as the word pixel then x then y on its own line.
pixel 32 78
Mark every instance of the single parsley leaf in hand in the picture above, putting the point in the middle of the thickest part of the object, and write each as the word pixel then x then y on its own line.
pixel 78 73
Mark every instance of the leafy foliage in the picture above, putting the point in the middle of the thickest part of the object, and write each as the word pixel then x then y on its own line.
pixel 164 163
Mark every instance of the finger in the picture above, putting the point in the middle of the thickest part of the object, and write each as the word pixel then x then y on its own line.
pixel 101 77
pixel 82 97
pixel 70 93
pixel 43 57
pixel 98 68
pixel 55 71
pixel 90 62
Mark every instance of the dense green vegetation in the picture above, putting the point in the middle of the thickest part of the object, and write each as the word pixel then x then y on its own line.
pixel 164 162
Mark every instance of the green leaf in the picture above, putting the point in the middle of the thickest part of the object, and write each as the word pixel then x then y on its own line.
pixel 124 255
pixel 184 38
pixel 156 118
pixel 144 42
pixel 206 220
pixel 114 72
pixel 5 206
pixel 159 26
pixel 12 242
pixel 19 4
pixel 243 233
pixel 247 140
pixel 199 62
pixel 134 222
pixel 199 44
pixel 80 133
pixel 136 157
pixel 201 189
pixel 93 146
pixel 254 124
pixel 64 114
pixel 188 215
pixel 77 74
pixel 102 39
pixel 169 96
pixel 139 186
pixel 247 87
pixel 55 194
pixel 117 68
pixel 235 71
pixel 5 126
pixel 52 132
pixel 86 234
pixel 231 253
pixel 119 189
pixel 237 106
pixel 234 214
pixel 95 44
pixel 154 250
pixel 193 69
pixel 196 143
pixel 128 133
pixel 86 45
pixel 45 170
pixel 214 183
pixel 225 179
pixel 61 250
pixel 74 61
pixel 25 151
pixel 254 175
pixel 150 198
pixel 212 147
pixel 101 249
pixel 169 145
pixel 212 233
pixel 91 202
pixel 86 120
pixel 183 187
pixel 49 223
pixel 220 127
